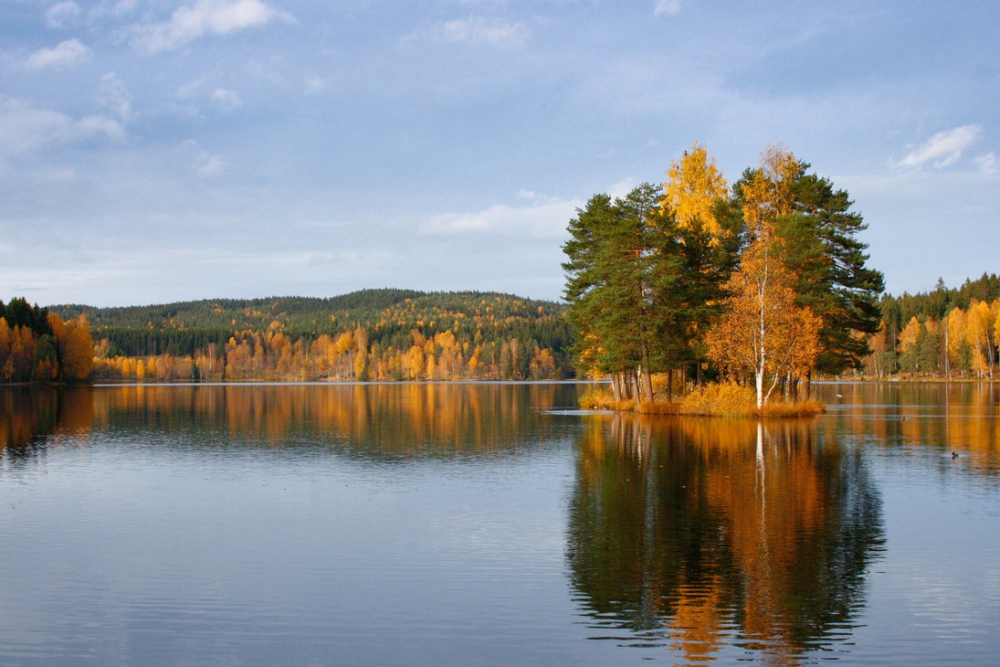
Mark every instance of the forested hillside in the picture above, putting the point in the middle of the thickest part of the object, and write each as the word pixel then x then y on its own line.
pixel 379 334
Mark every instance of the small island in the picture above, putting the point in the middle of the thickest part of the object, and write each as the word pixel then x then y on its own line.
pixel 757 288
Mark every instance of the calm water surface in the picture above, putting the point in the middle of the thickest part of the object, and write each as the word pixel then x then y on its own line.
pixel 494 524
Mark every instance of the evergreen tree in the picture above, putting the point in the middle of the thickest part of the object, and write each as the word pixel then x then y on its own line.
pixel 818 232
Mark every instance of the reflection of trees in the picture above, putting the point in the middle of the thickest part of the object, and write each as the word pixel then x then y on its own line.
pixel 30 415
pixel 961 417
pixel 699 533
pixel 391 421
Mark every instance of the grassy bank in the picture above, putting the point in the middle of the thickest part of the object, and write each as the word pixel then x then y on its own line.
pixel 712 400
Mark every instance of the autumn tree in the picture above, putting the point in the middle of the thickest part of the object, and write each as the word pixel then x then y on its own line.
pixel 817 234
pixel 878 362
pixel 693 189
pixel 979 336
pixel 361 364
pixel 76 347
pixel 695 194
pixel 762 332
pixel 908 338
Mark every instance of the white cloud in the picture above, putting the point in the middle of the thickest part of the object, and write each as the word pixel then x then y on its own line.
pixel 210 165
pixel 24 128
pixel 227 100
pixel 62 15
pixel 315 84
pixel 206 165
pixel 192 88
pixel 544 218
pixel 124 6
pixel 188 23
pixel 943 149
pixel 96 125
pixel 473 30
pixel 64 54
pixel 114 96
pixel 668 7
pixel 988 164
pixel 621 189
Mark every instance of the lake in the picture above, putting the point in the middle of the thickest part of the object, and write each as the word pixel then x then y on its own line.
pixel 494 524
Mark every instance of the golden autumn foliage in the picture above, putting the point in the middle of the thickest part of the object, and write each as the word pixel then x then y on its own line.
pixel 29 356
pixel 76 347
pixel 979 335
pixel 768 195
pixel 273 356
pixel 962 344
pixel 723 399
pixel 693 187
pixel 762 333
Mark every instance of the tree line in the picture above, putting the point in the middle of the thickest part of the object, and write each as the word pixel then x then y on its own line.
pixel 382 335
pixel 949 332
pixel 39 346
pixel 764 282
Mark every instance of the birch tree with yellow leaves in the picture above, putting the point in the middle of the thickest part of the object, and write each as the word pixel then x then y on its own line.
pixel 694 187
pixel 762 332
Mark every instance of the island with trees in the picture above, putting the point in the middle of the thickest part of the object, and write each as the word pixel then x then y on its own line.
pixel 761 285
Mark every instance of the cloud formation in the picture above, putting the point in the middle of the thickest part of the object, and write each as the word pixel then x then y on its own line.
pixel 65 54
pixel 227 100
pixel 943 149
pixel 206 165
pixel 62 15
pixel 25 128
pixel 474 30
pixel 543 218
pixel 987 164
pixel 203 17
pixel 114 96
pixel 668 7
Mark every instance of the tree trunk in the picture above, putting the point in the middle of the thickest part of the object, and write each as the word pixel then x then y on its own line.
pixel 647 379
pixel 760 387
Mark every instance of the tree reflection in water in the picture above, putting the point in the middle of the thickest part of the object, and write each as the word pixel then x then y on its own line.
pixel 697 534
pixel 31 416
pixel 387 422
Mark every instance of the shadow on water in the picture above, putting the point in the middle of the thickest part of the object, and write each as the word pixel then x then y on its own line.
pixel 697 534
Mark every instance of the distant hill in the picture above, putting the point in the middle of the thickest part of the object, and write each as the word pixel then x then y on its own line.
pixel 392 321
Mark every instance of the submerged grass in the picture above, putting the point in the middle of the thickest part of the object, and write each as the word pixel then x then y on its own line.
pixel 726 399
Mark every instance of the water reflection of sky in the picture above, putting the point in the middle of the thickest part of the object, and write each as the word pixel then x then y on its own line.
pixel 492 525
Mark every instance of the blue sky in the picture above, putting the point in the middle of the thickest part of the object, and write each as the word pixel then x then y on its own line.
pixel 163 150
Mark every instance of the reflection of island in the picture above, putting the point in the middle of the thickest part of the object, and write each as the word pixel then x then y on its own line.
pixel 696 534
pixel 384 422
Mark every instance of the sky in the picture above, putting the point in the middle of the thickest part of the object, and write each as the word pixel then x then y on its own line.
pixel 154 151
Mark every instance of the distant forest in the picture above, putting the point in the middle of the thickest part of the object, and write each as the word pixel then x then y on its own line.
pixel 396 334
pixel 950 331
pixel 375 334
